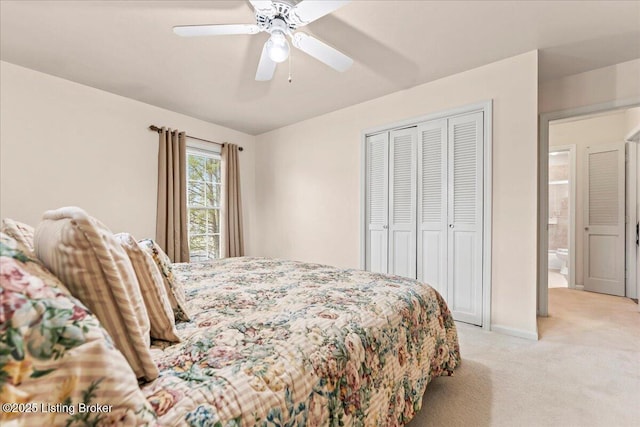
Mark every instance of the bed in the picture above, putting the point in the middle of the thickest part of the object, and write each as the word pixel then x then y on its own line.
pixel 283 343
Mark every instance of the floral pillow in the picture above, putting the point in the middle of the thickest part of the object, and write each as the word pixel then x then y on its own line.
pixel 22 233
pixel 58 366
pixel 174 288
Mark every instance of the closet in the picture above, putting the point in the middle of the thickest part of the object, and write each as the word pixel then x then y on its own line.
pixel 424 207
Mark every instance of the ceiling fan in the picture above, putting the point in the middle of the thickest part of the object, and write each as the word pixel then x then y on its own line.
pixel 280 18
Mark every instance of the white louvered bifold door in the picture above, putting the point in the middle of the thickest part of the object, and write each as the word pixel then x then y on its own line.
pixel 377 202
pixel 604 219
pixel 402 202
pixel 432 204
pixel 465 222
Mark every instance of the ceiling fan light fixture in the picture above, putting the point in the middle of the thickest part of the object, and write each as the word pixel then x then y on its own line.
pixel 278 47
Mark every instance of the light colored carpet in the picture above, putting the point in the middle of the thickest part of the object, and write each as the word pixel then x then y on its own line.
pixel 584 370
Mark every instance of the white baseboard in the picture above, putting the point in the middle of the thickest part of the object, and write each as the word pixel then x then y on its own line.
pixel 515 332
pixel 580 287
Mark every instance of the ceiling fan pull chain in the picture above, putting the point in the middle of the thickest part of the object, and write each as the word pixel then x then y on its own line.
pixel 290 56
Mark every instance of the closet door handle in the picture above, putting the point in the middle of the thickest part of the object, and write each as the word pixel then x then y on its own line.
pixel 385 227
pixel 450 225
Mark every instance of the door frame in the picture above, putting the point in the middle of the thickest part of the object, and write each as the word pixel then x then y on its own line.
pixel 571 149
pixel 632 287
pixel 485 107
pixel 543 186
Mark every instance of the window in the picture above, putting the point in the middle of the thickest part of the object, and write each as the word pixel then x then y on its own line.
pixel 203 204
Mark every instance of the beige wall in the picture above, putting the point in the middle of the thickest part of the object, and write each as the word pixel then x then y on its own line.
pixel 62 143
pixel 601 129
pixel 582 133
pixel 615 83
pixel 633 119
pixel 308 178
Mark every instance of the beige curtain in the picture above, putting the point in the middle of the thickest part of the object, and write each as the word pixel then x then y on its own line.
pixel 171 221
pixel 233 241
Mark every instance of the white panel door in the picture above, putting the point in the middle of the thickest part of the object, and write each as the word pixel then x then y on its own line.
pixel 402 202
pixel 465 221
pixel 604 220
pixel 432 204
pixel 377 202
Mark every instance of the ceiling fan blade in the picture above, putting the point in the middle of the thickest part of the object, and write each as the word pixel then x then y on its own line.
pixel 322 52
pixel 215 30
pixel 266 67
pixel 310 10
pixel 263 6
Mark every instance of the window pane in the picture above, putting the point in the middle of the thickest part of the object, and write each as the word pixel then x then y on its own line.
pixel 213 195
pixel 217 171
pixel 213 244
pixel 213 170
pixel 216 245
pixel 196 167
pixel 196 192
pixel 197 245
pixel 197 221
pixel 213 221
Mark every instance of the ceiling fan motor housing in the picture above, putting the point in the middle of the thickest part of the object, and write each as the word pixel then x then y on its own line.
pixel 279 17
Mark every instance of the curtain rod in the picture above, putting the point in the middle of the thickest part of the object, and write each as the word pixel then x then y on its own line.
pixel 157 129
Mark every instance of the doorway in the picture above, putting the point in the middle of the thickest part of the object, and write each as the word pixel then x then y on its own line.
pixel 558 130
pixel 562 213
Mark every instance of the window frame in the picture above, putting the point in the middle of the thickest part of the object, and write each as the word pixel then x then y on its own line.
pixel 211 151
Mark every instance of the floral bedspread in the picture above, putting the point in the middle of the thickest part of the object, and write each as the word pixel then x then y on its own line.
pixel 283 343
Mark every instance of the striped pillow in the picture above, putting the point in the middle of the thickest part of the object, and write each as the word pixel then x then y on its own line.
pixel 55 354
pixel 86 256
pixel 174 288
pixel 22 233
pixel 153 291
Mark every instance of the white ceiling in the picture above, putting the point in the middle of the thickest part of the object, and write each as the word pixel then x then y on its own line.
pixel 128 48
